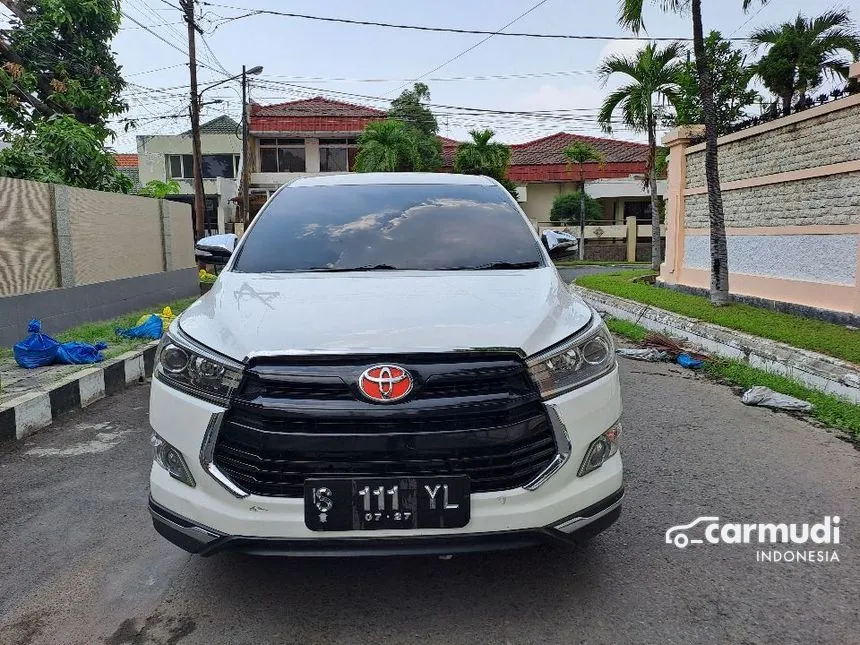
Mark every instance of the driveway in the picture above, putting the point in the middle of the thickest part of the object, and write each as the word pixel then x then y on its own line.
pixel 80 563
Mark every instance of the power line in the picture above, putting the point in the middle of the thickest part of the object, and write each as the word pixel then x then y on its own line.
pixel 475 46
pixel 439 79
pixel 448 30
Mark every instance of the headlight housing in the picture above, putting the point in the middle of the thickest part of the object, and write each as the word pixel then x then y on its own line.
pixel 601 449
pixel 182 364
pixel 578 360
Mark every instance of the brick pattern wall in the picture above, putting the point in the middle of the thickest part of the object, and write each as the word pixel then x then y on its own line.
pixel 834 199
pixel 828 139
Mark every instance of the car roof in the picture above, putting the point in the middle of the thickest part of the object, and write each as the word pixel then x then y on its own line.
pixel 391 178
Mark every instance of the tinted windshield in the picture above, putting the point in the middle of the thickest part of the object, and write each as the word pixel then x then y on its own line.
pixel 380 227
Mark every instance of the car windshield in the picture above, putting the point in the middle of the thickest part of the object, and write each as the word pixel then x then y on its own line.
pixel 389 227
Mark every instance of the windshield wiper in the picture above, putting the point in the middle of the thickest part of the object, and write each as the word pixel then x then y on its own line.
pixel 366 267
pixel 498 265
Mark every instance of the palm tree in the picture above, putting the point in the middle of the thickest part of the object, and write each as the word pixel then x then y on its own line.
pixel 481 157
pixel 800 53
pixel 581 153
pixel 631 16
pixel 387 146
pixel 655 73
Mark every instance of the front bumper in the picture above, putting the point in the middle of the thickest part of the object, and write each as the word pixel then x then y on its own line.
pixel 205 541
pixel 208 517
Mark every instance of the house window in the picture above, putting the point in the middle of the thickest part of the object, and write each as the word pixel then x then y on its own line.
pixel 337 155
pixel 218 165
pixel 282 155
pixel 180 166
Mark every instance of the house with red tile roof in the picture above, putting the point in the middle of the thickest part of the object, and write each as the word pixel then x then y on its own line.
pixel 127 164
pixel 319 135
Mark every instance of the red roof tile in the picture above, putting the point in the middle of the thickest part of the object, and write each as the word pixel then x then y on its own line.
pixel 550 150
pixel 315 107
pixel 125 160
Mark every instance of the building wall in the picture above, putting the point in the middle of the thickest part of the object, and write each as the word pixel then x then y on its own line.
pixel 57 236
pixel 540 196
pixel 791 195
pixel 152 150
pixel 114 236
pixel 27 251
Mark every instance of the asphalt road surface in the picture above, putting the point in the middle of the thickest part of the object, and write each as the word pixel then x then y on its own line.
pixel 80 562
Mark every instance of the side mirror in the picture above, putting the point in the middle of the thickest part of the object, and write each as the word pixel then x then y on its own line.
pixel 215 249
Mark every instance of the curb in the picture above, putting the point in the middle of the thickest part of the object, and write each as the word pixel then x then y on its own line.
pixel 33 411
pixel 818 371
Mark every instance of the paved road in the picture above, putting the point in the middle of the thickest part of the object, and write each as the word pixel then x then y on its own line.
pixel 80 563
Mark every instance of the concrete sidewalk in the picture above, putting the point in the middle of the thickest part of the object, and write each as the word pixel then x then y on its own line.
pixel 30 399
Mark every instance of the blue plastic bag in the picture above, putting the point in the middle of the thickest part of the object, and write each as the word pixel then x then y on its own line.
pixel 685 360
pixel 38 349
pixel 75 353
pixel 151 328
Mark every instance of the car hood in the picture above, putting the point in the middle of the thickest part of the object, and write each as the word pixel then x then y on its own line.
pixel 247 314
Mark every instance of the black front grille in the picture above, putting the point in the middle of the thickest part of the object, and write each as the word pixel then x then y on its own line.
pixel 469 414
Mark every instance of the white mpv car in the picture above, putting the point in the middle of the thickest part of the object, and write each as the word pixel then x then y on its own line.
pixel 388 364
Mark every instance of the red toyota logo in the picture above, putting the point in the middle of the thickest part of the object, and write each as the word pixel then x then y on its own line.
pixel 385 383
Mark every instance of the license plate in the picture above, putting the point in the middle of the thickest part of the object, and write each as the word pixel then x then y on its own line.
pixel 387 503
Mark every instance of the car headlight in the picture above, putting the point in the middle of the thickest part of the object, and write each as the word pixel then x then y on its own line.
pixel 194 370
pixel 578 360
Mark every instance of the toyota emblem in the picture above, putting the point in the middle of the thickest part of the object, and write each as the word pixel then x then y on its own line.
pixel 385 383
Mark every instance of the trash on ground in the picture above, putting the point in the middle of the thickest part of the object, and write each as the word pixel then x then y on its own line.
pixel 651 355
pixel 75 353
pixel 672 347
pixel 685 360
pixel 765 397
pixel 166 316
pixel 39 350
pixel 152 328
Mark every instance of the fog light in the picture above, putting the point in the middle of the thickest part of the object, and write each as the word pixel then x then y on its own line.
pixel 171 460
pixel 601 449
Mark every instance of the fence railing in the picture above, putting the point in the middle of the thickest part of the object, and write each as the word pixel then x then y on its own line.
pixel 629 232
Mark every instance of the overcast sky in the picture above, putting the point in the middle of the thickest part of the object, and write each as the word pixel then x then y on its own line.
pixel 295 51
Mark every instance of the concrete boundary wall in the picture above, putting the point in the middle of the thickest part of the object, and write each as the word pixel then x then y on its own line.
pixel 61 309
pixel 61 237
pixel 791 198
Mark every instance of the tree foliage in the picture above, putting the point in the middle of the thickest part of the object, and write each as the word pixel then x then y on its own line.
pixel 159 189
pixel 56 59
pixel 63 150
pixel 409 107
pixel 654 73
pixel 404 142
pixel 802 52
pixel 581 153
pixel 481 156
pixel 387 146
pixel 731 77
pixel 59 86
pixel 566 208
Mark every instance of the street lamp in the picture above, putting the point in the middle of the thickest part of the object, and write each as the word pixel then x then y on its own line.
pixel 198 160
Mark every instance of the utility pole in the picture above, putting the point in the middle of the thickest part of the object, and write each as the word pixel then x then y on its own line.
pixel 246 161
pixel 197 163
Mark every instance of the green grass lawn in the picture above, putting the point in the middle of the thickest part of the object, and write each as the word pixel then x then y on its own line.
pixel 816 335
pixel 595 263
pixel 830 410
pixel 104 330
